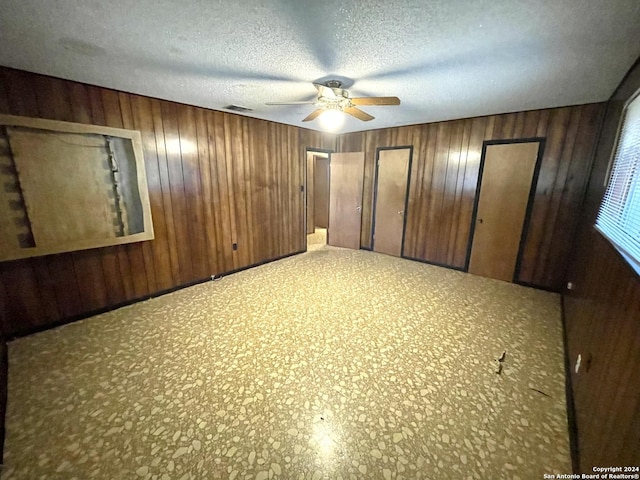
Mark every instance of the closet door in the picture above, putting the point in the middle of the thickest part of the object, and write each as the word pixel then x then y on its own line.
pixel 507 176
pixel 345 199
pixel 392 179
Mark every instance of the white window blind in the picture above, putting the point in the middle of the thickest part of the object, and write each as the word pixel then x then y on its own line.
pixel 619 215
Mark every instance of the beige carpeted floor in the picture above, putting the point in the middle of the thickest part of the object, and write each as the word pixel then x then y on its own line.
pixel 330 364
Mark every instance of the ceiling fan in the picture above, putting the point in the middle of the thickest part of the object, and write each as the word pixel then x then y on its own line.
pixel 331 96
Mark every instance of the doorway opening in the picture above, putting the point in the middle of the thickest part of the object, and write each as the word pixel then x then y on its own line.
pixel 317 197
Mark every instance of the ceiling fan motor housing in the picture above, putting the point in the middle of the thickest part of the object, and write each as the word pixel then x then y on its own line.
pixel 340 98
pixel 333 83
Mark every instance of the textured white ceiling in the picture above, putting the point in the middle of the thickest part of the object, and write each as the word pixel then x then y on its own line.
pixel 445 59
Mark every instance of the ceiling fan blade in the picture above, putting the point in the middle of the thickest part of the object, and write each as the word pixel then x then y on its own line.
pixel 375 101
pixel 359 114
pixel 310 102
pixel 313 115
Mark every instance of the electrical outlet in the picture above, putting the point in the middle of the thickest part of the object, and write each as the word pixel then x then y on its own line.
pixel 569 285
pixel 213 277
pixel 235 246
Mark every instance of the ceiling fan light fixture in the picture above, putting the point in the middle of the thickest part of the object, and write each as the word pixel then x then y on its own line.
pixel 331 119
pixel 333 101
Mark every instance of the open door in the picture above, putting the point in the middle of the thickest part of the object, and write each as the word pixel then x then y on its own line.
pixel 508 171
pixel 345 199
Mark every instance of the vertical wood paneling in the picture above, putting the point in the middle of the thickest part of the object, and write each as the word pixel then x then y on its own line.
pixel 571 137
pixel 575 183
pixel 177 189
pixel 88 267
pixel 194 220
pixel 416 172
pixel 165 186
pixel 113 118
pixel 21 98
pixel 602 314
pixel 21 290
pixel 448 208
pixel 214 179
pixel 204 159
pixel 275 154
pixel 444 181
pixel 47 290
pixel 261 199
pixel 141 278
pixel 230 156
pixel 559 186
pixel 421 227
pixel 369 181
pixel 140 254
pixel 216 131
pixel 470 182
pixel 435 222
pixel 156 253
pixel 461 165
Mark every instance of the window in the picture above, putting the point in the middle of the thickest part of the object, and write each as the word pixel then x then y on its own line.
pixel 619 215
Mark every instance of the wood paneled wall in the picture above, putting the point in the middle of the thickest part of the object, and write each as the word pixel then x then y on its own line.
pixel 444 178
pixel 602 316
pixel 215 180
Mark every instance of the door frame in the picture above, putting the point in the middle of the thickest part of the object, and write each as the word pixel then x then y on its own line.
pixel 305 187
pixel 406 195
pixel 532 193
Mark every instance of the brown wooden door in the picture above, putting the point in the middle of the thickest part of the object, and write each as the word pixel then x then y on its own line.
pixel 345 199
pixel 311 167
pixel 502 206
pixel 321 192
pixel 390 200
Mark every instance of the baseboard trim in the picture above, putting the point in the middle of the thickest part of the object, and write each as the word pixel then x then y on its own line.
pixel 75 318
pixel 568 385
pixel 435 264
pixel 537 287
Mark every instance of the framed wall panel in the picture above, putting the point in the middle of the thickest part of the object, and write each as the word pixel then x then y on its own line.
pixel 69 186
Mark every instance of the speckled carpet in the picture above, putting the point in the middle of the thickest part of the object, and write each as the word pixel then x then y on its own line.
pixel 333 364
